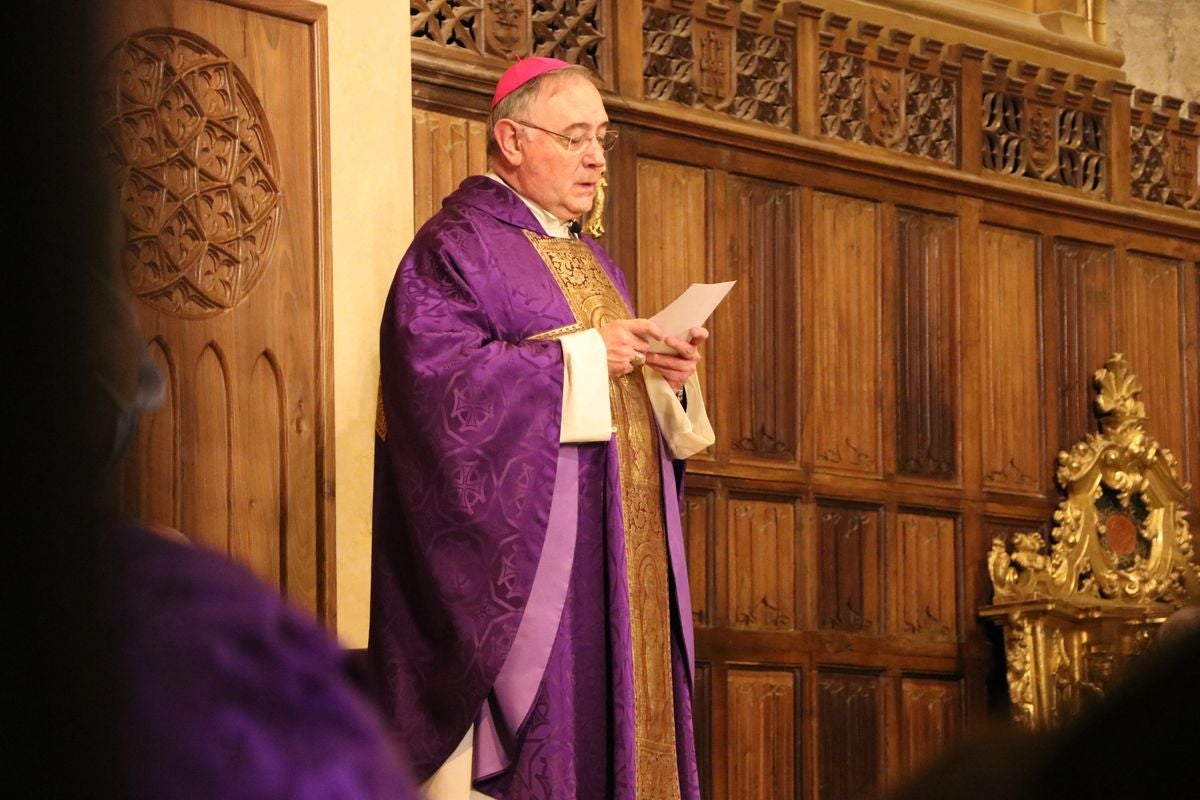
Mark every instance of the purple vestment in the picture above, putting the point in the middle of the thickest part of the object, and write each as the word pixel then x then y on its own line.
pixel 229 691
pixel 499 582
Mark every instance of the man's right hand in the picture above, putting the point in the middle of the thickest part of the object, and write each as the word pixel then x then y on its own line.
pixel 627 341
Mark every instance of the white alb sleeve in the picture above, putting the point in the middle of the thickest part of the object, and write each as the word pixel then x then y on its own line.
pixel 586 413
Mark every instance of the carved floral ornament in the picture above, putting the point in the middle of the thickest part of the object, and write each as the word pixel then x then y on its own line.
pixel 195 163
pixel 1121 535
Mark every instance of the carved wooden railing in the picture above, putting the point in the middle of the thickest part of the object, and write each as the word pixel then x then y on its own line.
pixel 796 68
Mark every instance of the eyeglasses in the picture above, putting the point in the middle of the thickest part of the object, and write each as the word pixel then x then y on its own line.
pixel 576 144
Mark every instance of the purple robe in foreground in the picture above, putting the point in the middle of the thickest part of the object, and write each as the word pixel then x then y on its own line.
pixel 498 577
pixel 229 691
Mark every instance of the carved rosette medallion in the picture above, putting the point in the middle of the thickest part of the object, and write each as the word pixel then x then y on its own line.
pixel 713 46
pixel 506 27
pixel 193 156
pixel 1041 139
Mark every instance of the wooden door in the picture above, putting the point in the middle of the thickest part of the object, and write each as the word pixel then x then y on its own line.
pixel 216 131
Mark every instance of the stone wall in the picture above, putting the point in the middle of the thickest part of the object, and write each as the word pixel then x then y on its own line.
pixel 1161 42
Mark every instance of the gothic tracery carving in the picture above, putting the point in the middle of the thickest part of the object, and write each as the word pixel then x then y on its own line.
pixel 1034 126
pixel 572 30
pixel 887 95
pixel 449 23
pixel 696 58
pixel 194 157
pixel 1164 150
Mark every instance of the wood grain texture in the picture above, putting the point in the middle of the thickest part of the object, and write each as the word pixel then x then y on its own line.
pixel 673 209
pixel 446 151
pixel 1153 339
pixel 931 716
pixel 760 568
pixel 698 527
pixel 702 724
pixel 848 735
pixel 923 577
pixel 1010 378
pixel 927 335
pixel 849 568
pixel 846 330
pixel 764 253
pixel 762 726
pixel 1087 275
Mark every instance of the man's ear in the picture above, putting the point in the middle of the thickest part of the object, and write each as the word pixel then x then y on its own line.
pixel 508 140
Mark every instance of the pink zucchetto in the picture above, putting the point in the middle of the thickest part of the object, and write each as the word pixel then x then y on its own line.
pixel 522 72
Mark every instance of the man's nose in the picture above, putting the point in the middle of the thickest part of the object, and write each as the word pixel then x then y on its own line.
pixel 593 153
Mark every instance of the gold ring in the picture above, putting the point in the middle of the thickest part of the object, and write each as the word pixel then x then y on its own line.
pixel 638 359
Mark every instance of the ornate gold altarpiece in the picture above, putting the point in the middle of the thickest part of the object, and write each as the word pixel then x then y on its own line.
pixel 1075 610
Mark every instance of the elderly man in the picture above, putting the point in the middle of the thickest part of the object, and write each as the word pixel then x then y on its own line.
pixel 530 598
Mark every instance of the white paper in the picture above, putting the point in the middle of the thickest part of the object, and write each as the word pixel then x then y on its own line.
pixel 689 310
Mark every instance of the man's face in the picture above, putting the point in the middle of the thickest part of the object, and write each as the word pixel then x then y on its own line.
pixel 562 183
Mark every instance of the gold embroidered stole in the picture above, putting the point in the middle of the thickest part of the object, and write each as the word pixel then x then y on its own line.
pixel 594 300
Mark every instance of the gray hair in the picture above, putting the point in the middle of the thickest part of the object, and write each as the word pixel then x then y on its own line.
pixel 517 102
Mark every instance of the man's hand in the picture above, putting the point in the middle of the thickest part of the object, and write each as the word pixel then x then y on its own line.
pixel 627 341
pixel 678 368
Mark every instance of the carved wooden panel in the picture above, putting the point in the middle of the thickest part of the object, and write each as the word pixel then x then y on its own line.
pixel 927 373
pixel 573 30
pixel 1013 454
pixel 446 151
pixel 695 55
pixel 848 587
pixel 764 255
pixel 208 439
pixel 923 577
pixel 846 331
pixel 672 225
pixel 759 586
pixel 152 467
pixel 849 731
pixel 1152 339
pixel 259 505
pixel 238 458
pixel 450 23
pixel 761 744
pixel 931 716
pixel 1088 284
pixel 698 528
pixel 1036 126
pixel 887 94
pixel 887 374
pixel 1164 151
pixel 195 160
pixel 702 717
pixel 501 30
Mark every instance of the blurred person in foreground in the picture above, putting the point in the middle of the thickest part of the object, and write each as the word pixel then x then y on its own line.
pixel 145 667
pixel 1139 741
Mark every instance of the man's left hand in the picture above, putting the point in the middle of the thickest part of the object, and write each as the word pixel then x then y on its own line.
pixel 676 369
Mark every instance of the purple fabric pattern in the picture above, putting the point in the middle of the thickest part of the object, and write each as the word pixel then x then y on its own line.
pixel 232 692
pixel 466 476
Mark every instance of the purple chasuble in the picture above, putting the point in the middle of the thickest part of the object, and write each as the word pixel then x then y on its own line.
pixel 499 591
